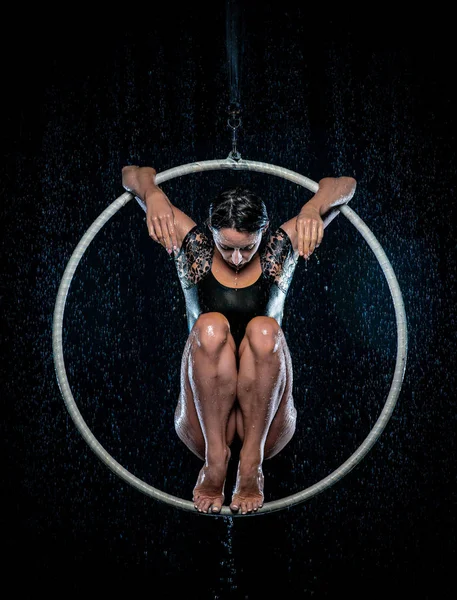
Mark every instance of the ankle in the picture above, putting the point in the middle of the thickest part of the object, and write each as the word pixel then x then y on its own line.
pixel 217 456
pixel 251 458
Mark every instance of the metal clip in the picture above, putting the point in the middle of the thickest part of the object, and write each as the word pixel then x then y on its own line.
pixel 234 121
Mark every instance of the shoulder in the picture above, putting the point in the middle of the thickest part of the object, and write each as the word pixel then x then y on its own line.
pixel 278 259
pixel 279 241
pixel 289 228
pixel 196 247
pixel 183 223
pixel 196 238
pixel 194 258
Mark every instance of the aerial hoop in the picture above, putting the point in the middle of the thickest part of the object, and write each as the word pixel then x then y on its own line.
pixel 397 379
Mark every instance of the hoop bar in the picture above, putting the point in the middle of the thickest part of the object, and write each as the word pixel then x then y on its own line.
pixel 240 165
pixel 149 490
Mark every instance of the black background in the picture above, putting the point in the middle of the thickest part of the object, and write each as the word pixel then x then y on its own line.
pixel 323 96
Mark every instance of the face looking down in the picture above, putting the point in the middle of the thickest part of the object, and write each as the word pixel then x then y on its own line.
pixel 236 247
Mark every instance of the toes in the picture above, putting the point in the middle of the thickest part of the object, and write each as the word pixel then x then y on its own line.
pixel 204 504
pixel 257 504
pixel 246 506
pixel 201 504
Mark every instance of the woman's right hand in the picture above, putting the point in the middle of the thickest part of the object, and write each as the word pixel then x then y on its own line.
pixel 160 217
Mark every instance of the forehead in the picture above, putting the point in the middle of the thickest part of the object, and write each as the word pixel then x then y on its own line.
pixel 232 237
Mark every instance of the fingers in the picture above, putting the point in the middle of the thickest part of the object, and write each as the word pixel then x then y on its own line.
pixel 151 229
pixel 162 230
pixel 320 234
pixel 301 235
pixel 310 234
pixel 172 233
pixel 168 232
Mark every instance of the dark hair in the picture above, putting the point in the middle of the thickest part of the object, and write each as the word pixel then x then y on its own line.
pixel 238 208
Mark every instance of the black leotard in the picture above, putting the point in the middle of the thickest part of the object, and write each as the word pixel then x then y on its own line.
pixel 203 293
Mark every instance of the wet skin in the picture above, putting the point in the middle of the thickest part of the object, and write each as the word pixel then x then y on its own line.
pixel 215 404
pixel 219 400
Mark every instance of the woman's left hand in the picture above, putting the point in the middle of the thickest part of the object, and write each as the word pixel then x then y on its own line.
pixel 310 230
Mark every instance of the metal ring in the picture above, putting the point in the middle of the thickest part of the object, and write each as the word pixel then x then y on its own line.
pixel 237 120
pixel 155 493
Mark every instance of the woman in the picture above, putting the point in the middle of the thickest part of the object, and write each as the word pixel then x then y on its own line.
pixel 236 370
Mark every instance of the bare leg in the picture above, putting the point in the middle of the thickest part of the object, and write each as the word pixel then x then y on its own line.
pixel 266 419
pixel 204 417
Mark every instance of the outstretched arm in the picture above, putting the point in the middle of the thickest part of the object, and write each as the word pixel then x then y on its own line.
pixel 306 230
pixel 166 224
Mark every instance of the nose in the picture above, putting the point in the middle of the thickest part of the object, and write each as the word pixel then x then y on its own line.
pixel 236 257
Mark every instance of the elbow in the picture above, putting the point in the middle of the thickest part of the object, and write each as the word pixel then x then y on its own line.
pixel 339 189
pixel 349 187
pixel 129 169
pixel 352 182
pixel 349 182
pixel 129 176
pixel 136 171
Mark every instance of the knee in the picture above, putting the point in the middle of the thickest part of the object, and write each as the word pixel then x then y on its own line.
pixel 211 331
pixel 263 335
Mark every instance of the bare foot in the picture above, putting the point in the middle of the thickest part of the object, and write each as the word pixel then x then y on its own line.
pixel 248 492
pixel 209 489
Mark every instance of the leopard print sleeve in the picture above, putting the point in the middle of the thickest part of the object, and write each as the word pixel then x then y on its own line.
pixel 278 259
pixel 193 261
